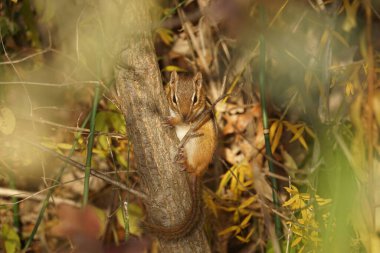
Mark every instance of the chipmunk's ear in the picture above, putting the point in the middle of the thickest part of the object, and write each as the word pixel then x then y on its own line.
pixel 173 78
pixel 198 80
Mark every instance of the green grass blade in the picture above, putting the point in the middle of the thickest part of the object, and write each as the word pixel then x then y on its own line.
pixel 90 144
pixel 51 191
pixel 268 151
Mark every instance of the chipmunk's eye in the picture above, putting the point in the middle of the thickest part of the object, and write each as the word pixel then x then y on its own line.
pixel 174 100
pixel 195 99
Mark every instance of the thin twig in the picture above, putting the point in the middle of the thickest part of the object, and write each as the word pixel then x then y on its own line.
pixel 49 84
pixel 6 192
pixel 76 129
pixel 82 167
pixel 202 118
pixel 17 73
pixel 11 62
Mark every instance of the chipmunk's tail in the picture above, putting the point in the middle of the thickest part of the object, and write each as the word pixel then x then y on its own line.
pixel 191 219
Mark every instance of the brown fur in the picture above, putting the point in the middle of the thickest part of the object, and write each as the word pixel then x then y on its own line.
pixel 187 100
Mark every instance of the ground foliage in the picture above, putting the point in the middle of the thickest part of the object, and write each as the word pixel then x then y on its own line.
pixel 323 101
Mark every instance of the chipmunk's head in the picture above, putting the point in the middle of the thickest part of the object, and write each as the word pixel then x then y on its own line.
pixel 186 96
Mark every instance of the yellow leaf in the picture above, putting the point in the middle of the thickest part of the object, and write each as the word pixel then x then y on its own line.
pixel 167 12
pixel 303 142
pixel 296 241
pixel 297 134
pixel 349 89
pixel 245 221
pixel 134 216
pixel 49 145
pixel 314 237
pixel 236 216
pixel 324 38
pixel 64 146
pixel 225 179
pixel 232 87
pixel 80 140
pixel 241 176
pixel 120 158
pixel 297 231
pixel 103 142
pixel 228 230
pixel 290 127
pixel 166 35
pixel 99 152
pixel 305 196
pixel 291 200
pixel 242 239
pixel 310 132
pixel 210 204
pixel 248 183
pixel 7 121
pixel 171 68
pixel 228 209
pixel 297 130
pixel 292 190
pixel 248 202
pixel 272 130
pixel 244 211
pixel 10 239
pixel 246 239
pixel 351 10
pixel 233 187
pixel 277 137
pixel 306 215
pixel 102 217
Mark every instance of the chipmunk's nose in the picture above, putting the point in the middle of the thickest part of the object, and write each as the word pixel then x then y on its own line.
pixel 185 116
pixel 185 112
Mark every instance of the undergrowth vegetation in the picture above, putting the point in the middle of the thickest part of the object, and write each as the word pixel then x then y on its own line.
pixel 305 182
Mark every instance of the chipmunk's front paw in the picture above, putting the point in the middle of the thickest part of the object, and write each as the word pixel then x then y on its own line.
pixel 181 158
pixel 168 122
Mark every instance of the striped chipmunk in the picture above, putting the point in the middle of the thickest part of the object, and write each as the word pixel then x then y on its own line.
pixel 187 102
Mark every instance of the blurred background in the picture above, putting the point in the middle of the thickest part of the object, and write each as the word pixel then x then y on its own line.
pixel 322 103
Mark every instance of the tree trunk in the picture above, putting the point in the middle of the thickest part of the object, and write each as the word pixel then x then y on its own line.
pixel 144 105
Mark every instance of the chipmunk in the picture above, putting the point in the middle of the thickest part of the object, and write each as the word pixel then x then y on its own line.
pixel 187 101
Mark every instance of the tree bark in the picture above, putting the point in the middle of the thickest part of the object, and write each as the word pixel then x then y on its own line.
pixel 143 103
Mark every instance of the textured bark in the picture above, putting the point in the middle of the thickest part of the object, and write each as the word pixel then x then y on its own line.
pixel 144 104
